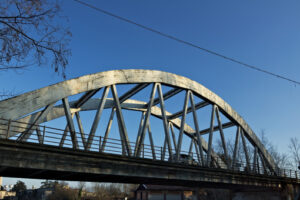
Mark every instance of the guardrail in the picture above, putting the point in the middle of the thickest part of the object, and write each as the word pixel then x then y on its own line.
pixel 12 130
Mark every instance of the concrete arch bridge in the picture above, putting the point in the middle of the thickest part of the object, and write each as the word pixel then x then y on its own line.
pixel 136 126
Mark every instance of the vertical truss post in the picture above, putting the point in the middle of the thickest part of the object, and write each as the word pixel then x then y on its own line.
pixel 245 150
pixel 97 118
pixel 123 145
pixel 138 137
pixel 211 131
pixel 191 147
pixel 258 165
pixel 165 120
pixel 39 135
pixel 222 136
pixel 8 129
pixel 179 143
pixel 197 152
pixel 254 168
pixel 263 162
pixel 151 142
pixel 63 138
pixel 70 122
pixel 81 130
pixel 121 120
pixel 44 132
pixel 111 117
pixel 236 147
pixel 199 137
pixel 164 151
pixel 173 135
pixel 146 120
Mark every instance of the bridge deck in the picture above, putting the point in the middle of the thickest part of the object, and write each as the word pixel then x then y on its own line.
pixel 28 160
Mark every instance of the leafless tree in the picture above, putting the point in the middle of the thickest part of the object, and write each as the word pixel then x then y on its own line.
pixel 281 159
pixel 294 148
pixel 109 191
pixel 33 33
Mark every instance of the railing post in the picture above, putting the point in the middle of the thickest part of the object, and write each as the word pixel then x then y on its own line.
pixel 8 129
pixel 44 132
pixel 100 141
pixel 143 150
pixel 161 153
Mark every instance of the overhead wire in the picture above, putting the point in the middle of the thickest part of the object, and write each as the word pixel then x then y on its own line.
pixel 241 63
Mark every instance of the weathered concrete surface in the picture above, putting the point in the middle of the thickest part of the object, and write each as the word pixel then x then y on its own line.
pixel 48 162
pixel 19 106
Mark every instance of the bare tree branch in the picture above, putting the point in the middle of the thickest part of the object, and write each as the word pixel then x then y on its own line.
pixel 30 34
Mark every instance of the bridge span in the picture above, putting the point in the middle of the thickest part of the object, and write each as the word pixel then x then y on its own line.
pixel 163 128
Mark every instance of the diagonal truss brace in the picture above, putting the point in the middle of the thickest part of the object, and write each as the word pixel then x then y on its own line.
pixel 26 134
pixel 123 130
pixel 209 151
pixel 179 143
pixel 97 118
pixel 145 123
pixel 70 122
pixel 198 135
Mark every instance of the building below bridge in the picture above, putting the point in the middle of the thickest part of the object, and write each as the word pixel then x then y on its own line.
pixel 162 192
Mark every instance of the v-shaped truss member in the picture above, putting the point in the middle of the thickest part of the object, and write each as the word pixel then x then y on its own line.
pixel 84 142
pixel 198 135
pixel 80 102
pixel 222 136
pixel 236 147
pixel 179 143
pixel 211 135
pixel 164 118
pixel 245 150
pixel 145 123
pixel 121 120
pixel 108 127
pixel 97 118
pixel 173 135
pixel 70 122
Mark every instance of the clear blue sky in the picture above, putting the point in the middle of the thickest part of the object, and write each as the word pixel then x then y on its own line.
pixel 263 33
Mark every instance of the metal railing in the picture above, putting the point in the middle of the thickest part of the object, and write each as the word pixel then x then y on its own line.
pixel 45 135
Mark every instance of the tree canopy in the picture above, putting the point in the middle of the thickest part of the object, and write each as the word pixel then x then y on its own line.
pixel 33 33
pixel 19 186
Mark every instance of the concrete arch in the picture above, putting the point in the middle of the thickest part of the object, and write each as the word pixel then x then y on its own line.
pixel 24 104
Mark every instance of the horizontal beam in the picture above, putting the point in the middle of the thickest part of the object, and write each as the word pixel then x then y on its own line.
pixel 85 97
pixel 197 106
pixel 166 96
pixel 132 92
pixel 216 128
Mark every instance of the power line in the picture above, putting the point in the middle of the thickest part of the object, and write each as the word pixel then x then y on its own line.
pixel 188 43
